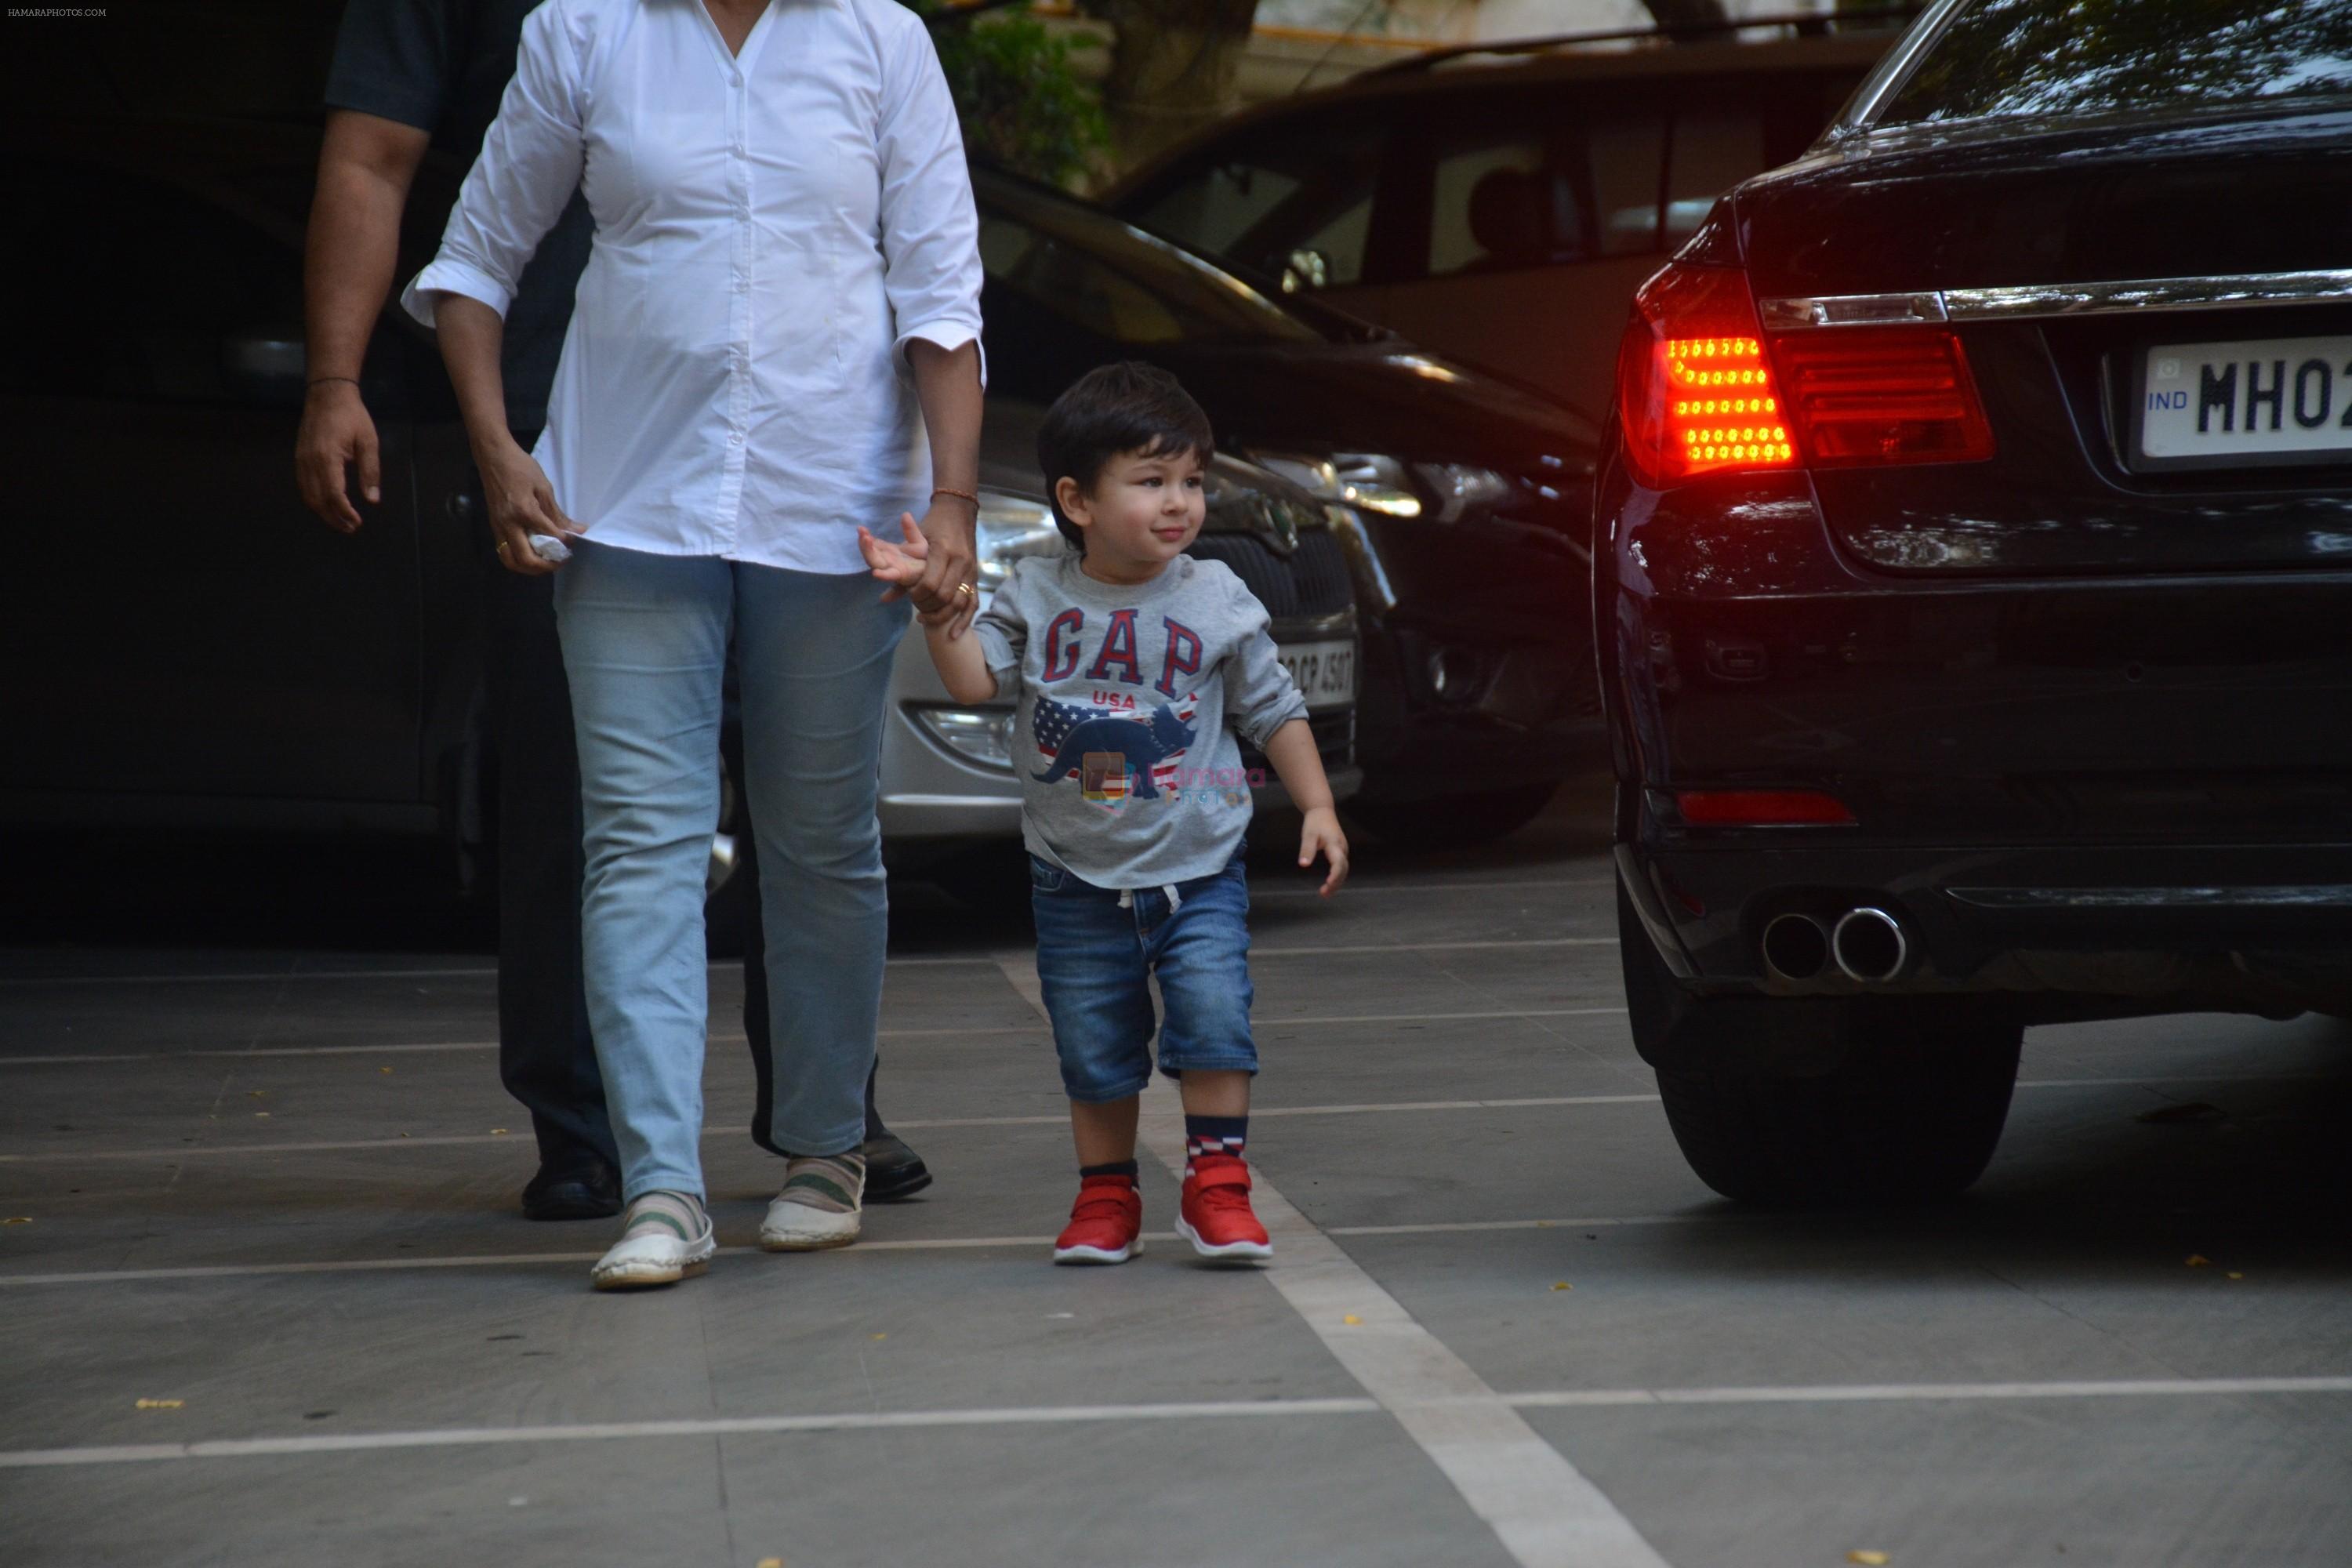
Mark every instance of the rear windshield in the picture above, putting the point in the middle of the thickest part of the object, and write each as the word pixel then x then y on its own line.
pixel 2006 58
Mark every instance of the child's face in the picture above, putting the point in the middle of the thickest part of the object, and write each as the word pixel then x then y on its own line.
pixel 1141 512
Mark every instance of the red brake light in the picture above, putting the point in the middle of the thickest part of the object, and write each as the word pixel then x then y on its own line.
pixel 1882 394
pixel 1693 393
pixel 1699 390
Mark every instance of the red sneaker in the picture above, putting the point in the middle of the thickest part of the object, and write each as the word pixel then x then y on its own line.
pixel 1215 1216
pixel 1104 1223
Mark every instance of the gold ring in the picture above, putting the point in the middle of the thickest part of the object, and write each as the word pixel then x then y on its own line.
pixel 967 588
pixel 502 547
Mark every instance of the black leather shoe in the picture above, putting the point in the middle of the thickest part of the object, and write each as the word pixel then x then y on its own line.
pixel 893 1171
pixel 574 1191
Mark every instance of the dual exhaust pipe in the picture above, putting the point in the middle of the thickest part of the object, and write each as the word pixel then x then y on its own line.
pixel 1867 945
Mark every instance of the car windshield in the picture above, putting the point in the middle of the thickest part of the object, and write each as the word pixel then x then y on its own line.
pixel 2001 58
pixel 1112 280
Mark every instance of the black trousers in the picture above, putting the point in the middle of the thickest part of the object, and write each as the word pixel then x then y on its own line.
pixel 547 1058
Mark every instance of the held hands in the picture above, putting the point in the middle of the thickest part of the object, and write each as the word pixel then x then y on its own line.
pixel 1321 832
pixel 933 565
pixel 521 503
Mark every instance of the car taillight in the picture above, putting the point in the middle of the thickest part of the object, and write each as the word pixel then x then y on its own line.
pixel 1701 389
pixel 1881 395
pixel 1694 394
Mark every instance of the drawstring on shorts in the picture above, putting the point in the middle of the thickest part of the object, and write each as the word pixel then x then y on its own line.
pixel 1175 898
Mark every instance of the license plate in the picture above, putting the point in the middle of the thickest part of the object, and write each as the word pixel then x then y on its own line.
pixel 2262 403
pixel 1325 671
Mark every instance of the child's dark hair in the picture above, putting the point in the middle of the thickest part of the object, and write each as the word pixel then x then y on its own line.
pixel 1110 411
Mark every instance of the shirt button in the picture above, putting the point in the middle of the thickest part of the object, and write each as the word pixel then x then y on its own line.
pixel 736 439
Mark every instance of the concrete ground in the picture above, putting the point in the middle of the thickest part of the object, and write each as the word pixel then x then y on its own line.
pixel 268 1299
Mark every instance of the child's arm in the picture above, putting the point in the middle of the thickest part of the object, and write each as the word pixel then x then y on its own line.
pixel 962 663
pixel 1291 750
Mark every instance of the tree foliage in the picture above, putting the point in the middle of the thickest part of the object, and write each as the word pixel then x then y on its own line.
pixel 2091 57
pixel 1020 101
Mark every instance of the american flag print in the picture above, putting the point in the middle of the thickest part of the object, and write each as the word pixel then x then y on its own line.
pixel 1051 723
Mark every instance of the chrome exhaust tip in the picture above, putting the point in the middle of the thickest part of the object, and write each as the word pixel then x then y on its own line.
pixel 1870 947
pixel 1795 947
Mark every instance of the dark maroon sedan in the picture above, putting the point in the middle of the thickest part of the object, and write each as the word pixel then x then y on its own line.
pixel 1973 579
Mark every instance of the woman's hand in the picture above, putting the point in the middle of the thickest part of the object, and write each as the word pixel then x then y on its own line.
pixel 1321 832
pixel 521 503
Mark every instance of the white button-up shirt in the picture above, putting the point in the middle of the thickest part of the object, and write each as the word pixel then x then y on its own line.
pixel 773 228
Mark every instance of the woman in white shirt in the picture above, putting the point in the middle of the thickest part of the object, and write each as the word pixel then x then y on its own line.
pixel 782 303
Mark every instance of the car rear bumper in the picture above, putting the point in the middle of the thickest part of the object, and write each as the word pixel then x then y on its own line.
pixel 2125 792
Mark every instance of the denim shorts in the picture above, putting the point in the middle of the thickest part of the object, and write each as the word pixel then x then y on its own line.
pixel 1094 959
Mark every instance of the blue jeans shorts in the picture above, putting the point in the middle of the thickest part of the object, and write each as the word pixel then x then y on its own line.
pixel 1095 958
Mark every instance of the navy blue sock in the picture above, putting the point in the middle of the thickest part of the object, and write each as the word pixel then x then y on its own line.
pixel 1213 1135
pixel 1127 1168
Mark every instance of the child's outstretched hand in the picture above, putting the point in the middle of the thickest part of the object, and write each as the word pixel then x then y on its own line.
pixel 900 566
pixel 1321 832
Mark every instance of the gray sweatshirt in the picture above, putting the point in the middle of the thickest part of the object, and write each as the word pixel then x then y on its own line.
pixel 1129 699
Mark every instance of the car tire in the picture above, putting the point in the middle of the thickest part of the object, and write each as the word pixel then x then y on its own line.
pixel 1454 821
pixel 1899 1101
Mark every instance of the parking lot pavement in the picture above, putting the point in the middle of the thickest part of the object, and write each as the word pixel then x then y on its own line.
pixel 272 1188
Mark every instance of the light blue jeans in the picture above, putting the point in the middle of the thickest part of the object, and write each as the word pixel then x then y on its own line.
pixel 644 645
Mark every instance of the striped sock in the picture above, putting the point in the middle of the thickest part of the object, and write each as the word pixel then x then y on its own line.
pixel 829 1183
pixel 1213 1135
pixel 665 1214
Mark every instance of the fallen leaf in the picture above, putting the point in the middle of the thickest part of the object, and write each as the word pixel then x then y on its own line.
pixel 881 1336
pixel 255 1093
pixel 2173 1115
pixel 2237 1277
pixel 2199 1260
pixel 18 1219
pixel 160 1404
pixel 1869 1557
pixel 1351 1318
pixel 383 1070
pixel 404 1135
pixel 1563 1285
pixel 496 1131
pixel 771 1562
pixel 262 1115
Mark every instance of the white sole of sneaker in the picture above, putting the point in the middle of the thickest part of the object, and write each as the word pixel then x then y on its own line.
pixel 1096 1254
pixel 812 1240
pixel 644 1276
pixel 1230 1252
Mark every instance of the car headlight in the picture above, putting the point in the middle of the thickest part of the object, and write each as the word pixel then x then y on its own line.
pixel 1354 479
pixel 1460 489
pixel 1009 528
pixel 982 735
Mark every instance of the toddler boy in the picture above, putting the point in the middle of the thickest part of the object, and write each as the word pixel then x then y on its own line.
pixel 1131 663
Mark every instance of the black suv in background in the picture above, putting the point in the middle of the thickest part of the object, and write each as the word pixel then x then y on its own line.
pixel 1499 203
pixel 1974 572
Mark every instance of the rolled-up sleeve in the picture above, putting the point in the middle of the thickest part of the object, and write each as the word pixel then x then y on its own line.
pixel 530 164
pixel 931 232
pixel 1260 695
pixel 1003 629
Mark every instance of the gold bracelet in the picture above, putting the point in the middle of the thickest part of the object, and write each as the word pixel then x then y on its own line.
pixel 960 495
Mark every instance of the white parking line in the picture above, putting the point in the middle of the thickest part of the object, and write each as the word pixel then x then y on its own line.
pixel 724 1037
pixel 1203 1410
pixel 1373 1108
pixel 718 1426
pixel 934 1243
pixel 1541 1508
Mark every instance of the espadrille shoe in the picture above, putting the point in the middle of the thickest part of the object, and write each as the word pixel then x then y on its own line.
pixel 665 1237
pixel 819 1206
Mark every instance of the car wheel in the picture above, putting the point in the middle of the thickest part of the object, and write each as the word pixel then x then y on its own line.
pixel 1898 1100
pixel 1454 821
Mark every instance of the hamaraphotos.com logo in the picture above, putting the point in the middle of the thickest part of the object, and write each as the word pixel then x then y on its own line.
pixel 1108 778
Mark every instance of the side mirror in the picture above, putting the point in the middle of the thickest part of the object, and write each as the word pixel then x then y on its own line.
pixel 1305 268
pixel 267 365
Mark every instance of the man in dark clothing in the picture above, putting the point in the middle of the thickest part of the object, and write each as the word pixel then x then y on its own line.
pixel 409 75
